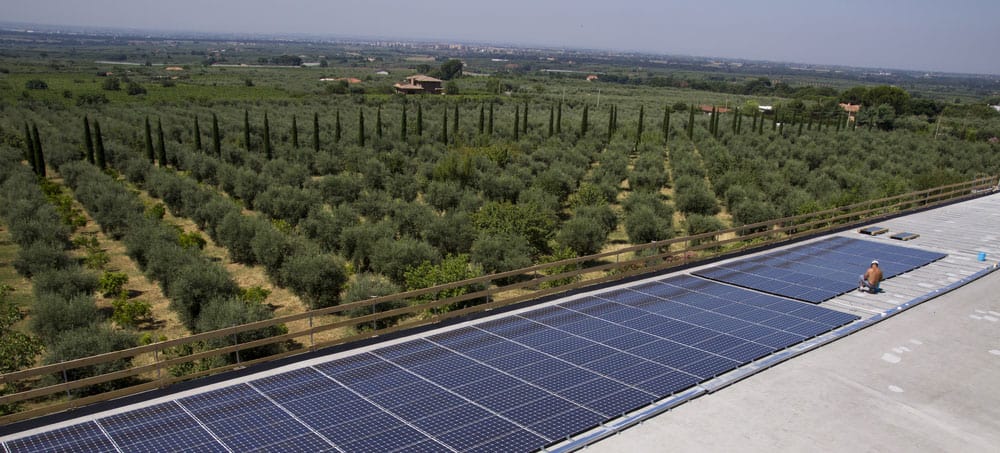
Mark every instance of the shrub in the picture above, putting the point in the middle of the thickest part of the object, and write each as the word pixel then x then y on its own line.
pixel 53 314
pixel 88 341
pixel 236 232
pixel 317 279
pixel 112 283
pixel 233 312
pixel 499 253
pixel 271 248
pixel 36 84
pixel 191 240
pixel 65 283
pixel 392 257
pixel 39 257
pixel 197 286
pixel 643 225
pixel 583 235
pixel 130 312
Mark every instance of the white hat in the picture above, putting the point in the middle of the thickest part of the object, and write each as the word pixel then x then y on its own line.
pixel 875 262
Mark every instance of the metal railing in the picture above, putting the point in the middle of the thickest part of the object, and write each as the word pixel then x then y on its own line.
pixel 151 363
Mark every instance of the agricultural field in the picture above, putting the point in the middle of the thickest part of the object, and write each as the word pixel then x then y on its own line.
pixel 151 190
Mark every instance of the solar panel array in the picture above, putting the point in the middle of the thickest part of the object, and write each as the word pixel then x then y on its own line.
pixel 516 383
pixel 821 270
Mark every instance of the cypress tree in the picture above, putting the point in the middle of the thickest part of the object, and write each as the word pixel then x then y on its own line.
pixel 690 124
pixel 666 122
pixel 810 123
pixel 584 121
pixel 295 133
pixel 402 125
pixel 774 121
pixel 444 125
pixel 614 117
pixel 378 121
pixel 482 119
pixel 197 134
pixel 216 138
pixel 800 126
pixel 760 124
pixel 161 147
pixel 88 141
pixel 29 148
pixel 638 129
pixel 552 119
pixel 736 115
pixel 559 118
pixel 491 120
pixel 517 122
pixel 267 138
pixel 246 130
pixel 315 132
pixel 839 122
pixel 361 126
pixel 150 152
pixel 39 156
pixel 454 125
pixel 420 120
pixel 739 122
pixel 337 129
pixel 100 155
pixel 524 119
pixel 611 122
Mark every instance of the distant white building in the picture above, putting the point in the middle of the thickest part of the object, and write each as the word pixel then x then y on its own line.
pixel 382 72
pixel 995 107
pixel 766 108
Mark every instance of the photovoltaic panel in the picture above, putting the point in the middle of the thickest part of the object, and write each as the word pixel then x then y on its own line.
pixel 819 270
pixel 516 383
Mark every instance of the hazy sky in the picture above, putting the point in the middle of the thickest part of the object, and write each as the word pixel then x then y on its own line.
pixel 933 35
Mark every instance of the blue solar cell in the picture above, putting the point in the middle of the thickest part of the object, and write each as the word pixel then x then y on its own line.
pixel 384 382
pixel 630 340
pixel 583 302
pixel 520 440
pixel 592 390
pixel 618 404
pixel 710 367
pixel 614 362
pixel 566 379
pixel 669 383
pixel 565 424
pixel 405 394
pixel 780 340
pixel 747 352
pixel 468 437
pixel 543 337
pixel 349 363
pixel 693 335
pixel 753 332
pixel 808 329
pixel 514 397
pixel 494 384
pixel 385 441
pixel 538 409
pixel 80 437
pixel 640 372
pixel 427 406
pixel 518 359
pixel 720 343
pixel 540 369
pixel 588 354
pixel 259 434
pixel 452 418
pixel 682 356
pixel 656 349
pixel 462 376
pixel 564 346
pixel 604 334
pixel 426 446
pixel 305 442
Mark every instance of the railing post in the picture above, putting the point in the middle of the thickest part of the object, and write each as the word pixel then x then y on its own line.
pixel 312 342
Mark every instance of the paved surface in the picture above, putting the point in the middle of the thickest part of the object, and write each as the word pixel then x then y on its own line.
pixel 925 380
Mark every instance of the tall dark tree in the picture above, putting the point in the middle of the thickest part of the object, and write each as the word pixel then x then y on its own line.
pixel 29 148
pixel 295 133
pixel 420 120
pixel 444 125
pixel 161 146
pixel 482 119
pixel 517 122
pixel 402 124
pixel 216 138
pixel 268 152
pixel 638 128
pixel 559 118
pixel 690 124
pixel 246 130
pixel 774 121
pixel 454 124
pixel 378 121
pixel 315 132
pixel 361 126
pixel 552 119
pixel 150 152
pixel 584 121
pixel 88 141
pixel 736 115
pixel 490 131
pixel 611 122
pixel 336 128
pixel 666 122
pixel 100 155
pixel 524 119
pixel 197 135
pixel 39 155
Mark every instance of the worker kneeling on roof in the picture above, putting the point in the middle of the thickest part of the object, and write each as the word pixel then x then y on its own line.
pixel 871 278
